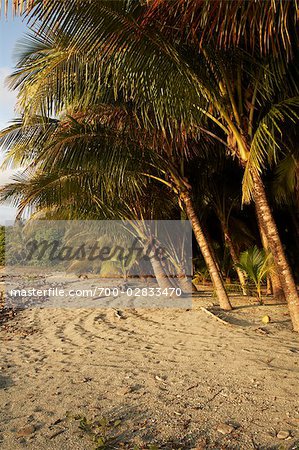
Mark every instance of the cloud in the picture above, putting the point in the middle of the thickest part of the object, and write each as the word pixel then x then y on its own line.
pixel 7 213
pixel 6 176
pixel 8 101
pixel 8 98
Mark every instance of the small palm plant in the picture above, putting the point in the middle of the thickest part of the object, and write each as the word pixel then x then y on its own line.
pixel 256 264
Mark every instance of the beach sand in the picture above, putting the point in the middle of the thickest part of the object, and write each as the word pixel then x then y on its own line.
pixel 175 377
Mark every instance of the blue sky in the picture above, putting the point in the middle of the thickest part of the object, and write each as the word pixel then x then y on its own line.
pixel 11 31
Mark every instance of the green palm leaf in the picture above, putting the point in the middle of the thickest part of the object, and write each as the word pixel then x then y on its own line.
pixel 256 264
pixel 266 140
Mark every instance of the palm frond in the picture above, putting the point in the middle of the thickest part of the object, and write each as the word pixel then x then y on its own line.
pixel 286 182
pixel 272 25
pixel 266 140
pixel 22 143
pixel 100 45
pixel 256 264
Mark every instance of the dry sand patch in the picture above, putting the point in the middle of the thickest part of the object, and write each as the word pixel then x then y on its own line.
pixel 177 378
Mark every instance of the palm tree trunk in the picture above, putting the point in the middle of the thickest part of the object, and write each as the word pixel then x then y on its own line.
pixel 233 253
pixel 276 286
pixel 185 283
pixel 159 272
pixel 276 248
pixel 277 290
pixel 206 252
pixel 161 277
pixel 269 288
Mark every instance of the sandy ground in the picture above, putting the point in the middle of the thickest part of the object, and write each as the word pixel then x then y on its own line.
pixel 174 378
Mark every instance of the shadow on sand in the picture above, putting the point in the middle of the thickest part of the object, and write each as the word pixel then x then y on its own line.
pixel 5 382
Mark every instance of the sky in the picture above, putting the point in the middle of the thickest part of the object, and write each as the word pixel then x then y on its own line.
pixel 11 31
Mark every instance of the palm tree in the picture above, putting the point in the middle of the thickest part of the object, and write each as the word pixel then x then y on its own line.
pixel 256 264
pixel 65 149
pixel 286 182
pixel 273 279
pixel 221 186
pixel 85 169
pixel 285 188
pixel 171 169
pixel 66 183
pixel 271 27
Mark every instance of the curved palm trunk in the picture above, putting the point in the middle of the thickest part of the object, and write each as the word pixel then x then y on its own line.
pixel 161 277
pixel 269 289
pixel 274 285
pixel 159 272
pixel 185 284
pixel 233 253
pixel 206 252
pixel 276 248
